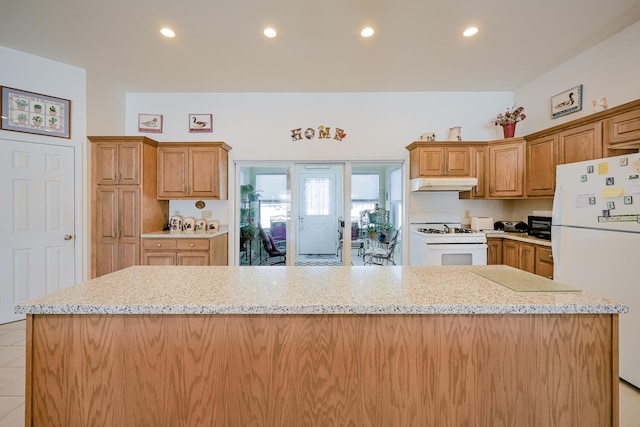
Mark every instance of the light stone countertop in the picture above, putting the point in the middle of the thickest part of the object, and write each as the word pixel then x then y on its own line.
pixel 311 290
pixel 522 237
pixel 224 229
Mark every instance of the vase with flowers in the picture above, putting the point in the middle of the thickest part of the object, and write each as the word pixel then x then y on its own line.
pixel 509 119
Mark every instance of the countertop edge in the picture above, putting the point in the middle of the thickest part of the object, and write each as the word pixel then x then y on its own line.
pixel 522 237
pixel 224 229
pixel 335 309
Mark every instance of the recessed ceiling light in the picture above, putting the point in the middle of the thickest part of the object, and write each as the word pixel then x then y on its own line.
pixel 270 32
pixel 167 32
pixel 367 32
pixel 471 31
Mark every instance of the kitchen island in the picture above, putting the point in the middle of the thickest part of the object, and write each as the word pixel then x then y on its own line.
pixel 441 346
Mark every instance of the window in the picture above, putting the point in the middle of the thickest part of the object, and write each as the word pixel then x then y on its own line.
pixel 365 192
pixel 274 199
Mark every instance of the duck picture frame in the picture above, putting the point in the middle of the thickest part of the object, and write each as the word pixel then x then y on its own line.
pixel 150 123
pixel 566 102
pixel 200 123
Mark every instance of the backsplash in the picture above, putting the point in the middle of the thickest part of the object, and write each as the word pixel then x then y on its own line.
pixel 447 201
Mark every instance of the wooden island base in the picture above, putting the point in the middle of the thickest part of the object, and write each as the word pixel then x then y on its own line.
pixel 324 370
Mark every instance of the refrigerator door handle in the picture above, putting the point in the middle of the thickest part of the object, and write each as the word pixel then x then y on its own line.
pixel 556 212
pixel 555 250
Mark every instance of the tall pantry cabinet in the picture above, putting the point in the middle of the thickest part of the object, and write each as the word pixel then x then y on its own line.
pixel 123 200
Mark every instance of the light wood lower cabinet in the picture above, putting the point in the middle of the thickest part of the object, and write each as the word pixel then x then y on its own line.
pixel 376 370
pixel 544 262
pixel 536 259
pixel 494 251
pixel 185 251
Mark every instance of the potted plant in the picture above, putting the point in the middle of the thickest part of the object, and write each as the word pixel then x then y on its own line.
pixel 37 108
pixel 509 119
pixel 248 192
pixel 52 122
pixel 37 120
pixel 52 110
pixel 385 229
pixel 21 104
pixel 247 233
pixel 22 118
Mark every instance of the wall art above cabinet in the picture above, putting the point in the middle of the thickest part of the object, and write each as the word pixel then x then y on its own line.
pixel 196 170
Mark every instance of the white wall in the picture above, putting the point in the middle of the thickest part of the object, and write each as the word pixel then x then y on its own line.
pixel 378 125
pixel 608 69
pixel 35 74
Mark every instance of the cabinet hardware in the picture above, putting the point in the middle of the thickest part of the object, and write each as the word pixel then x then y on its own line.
pixel 158 245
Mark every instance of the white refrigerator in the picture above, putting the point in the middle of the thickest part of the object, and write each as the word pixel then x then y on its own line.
pixel 595 240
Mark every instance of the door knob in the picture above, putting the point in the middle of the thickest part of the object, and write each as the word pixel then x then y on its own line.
pixel 68 237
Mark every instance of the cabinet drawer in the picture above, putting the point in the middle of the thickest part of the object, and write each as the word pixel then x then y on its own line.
pixel 159 244
pixel 193 244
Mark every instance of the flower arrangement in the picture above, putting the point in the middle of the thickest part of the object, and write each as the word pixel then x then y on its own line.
pixel 510 117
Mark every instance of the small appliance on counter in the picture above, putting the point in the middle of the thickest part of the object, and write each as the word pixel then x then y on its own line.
pixel 511 226
pixel 481 223
pixel 540 227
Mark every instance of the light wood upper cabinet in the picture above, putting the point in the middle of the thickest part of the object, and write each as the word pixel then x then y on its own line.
pixel 478 155
pixel 623 128
pixel 506 169
pixel 580 143
pixel 429 160
pixel 542 157
pixel 117 163
pixel 193 171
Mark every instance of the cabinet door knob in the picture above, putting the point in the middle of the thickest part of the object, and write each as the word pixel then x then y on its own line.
pixel 551 256
pixel 191 245
pixel 159 244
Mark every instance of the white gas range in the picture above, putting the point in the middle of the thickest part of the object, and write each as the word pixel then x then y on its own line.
pixel 439 239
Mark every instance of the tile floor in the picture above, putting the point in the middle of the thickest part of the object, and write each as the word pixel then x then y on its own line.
pixel 12 368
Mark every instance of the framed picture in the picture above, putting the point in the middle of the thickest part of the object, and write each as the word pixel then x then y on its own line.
pixel 150 123
pixel 200 123
pixel 566 102
pixel 31 112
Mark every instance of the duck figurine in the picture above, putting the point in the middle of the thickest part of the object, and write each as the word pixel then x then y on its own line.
pixel 198 124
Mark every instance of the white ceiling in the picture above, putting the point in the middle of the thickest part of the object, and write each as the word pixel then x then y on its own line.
pixel 220 47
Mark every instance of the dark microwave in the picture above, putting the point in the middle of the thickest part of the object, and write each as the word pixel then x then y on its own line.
pixel 540 226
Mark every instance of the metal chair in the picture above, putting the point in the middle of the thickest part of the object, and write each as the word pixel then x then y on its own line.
pixel 382 255
pixel 271 249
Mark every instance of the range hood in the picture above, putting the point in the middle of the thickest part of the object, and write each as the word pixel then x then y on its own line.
pixel 443 184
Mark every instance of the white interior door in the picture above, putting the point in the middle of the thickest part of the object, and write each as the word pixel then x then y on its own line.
pixel 317 219
pixel 37 237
